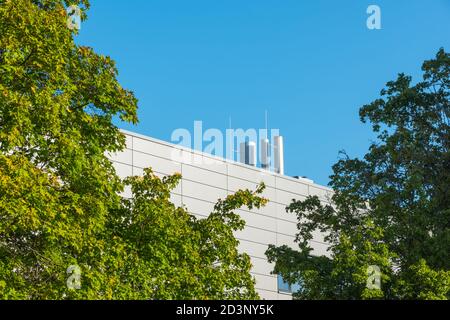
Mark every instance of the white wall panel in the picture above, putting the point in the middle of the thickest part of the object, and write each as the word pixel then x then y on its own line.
pixel 287 227
pixel 284 296
pixel 323 194
pixel 318 236
pixel 204 176
pixel 250 174
pixel 258 221
pixel 266 282
pixel 138 171
pixel 283 215
pixel 208 163
pixel 253 248
pixel 151 147
pixel 125 156
pixel 292 186
pixel 122 170
pixel 176 199
pixel 235 184
pixel 201 191
pixel 257 235
pixel 270 209
pixel 199 207
pixel 129 142
pixel 268 295
pixel 286 198
pixel 286 240
pixel 143 160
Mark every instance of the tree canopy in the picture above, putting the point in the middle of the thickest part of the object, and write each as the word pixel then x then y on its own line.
pixel 390 209
pixel 61 215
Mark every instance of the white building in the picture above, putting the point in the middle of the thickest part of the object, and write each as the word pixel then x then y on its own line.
pixel 207 178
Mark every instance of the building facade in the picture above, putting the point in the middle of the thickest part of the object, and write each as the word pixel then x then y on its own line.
pixel 206 178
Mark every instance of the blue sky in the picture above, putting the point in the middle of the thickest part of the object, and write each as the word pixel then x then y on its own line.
pixel 311 64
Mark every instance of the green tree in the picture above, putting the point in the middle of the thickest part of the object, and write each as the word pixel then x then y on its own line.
pixel 59 202
pixel 391 208
pixel 57 100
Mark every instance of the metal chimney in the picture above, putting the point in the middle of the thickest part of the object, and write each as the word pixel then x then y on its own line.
pixel 264 154
pixel 247 154
pixel 278 155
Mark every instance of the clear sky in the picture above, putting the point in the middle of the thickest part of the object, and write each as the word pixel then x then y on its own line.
pixel 311 64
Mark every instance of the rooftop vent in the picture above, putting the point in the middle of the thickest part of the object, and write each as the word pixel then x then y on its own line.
pixel 278 155
pixel 265 154
pixel 247 154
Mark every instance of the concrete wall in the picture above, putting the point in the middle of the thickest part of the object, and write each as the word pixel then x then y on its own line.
pixel 207 178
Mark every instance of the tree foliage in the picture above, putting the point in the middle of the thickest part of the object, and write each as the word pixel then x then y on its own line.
pixel 391 208
pixel 171 254
pixel 57 100
pixel 59 193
